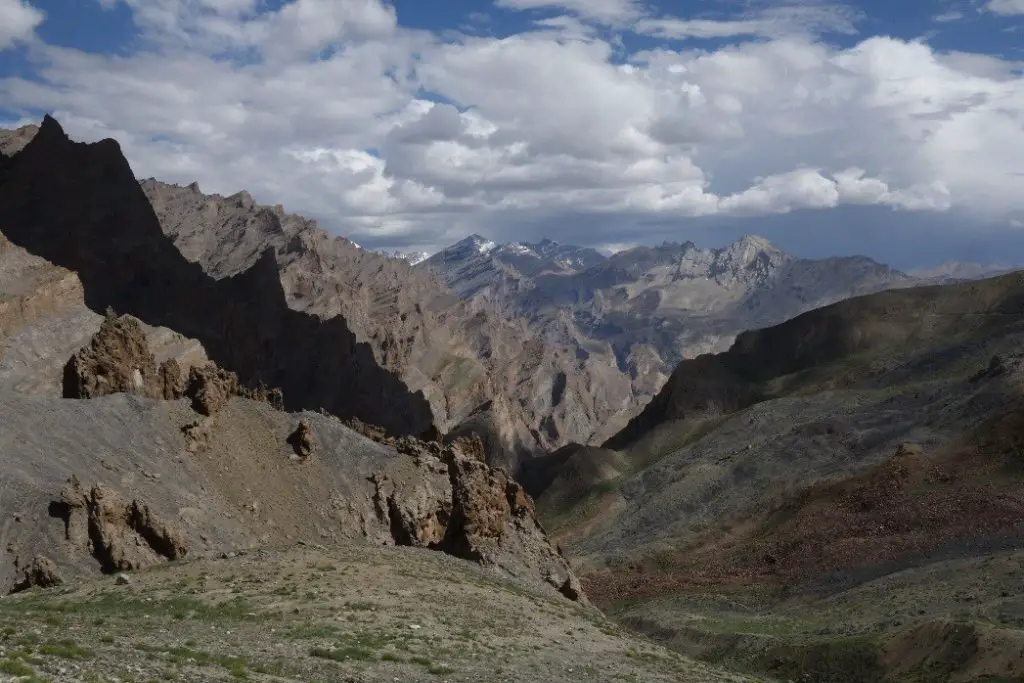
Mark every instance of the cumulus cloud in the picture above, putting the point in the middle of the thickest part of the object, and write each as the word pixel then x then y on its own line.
pixel 772 22
pixel 1005 7
pixel 603 11
pixel 18 22
pixel 396 136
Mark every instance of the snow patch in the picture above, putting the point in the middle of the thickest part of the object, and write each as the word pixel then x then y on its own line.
pixel 520 248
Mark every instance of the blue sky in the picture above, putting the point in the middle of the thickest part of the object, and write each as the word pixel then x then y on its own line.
pixel 894 129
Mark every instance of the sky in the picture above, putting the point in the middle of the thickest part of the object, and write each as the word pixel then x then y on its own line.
pixel 891 129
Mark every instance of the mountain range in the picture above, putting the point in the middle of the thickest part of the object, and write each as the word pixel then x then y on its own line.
pixel 647 308
pixel 757 466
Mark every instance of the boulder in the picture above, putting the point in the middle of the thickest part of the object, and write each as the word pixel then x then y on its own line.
pixel 304 440
pixel 40 572
pixel 117 359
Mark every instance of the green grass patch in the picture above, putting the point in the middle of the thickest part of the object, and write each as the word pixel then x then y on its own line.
pixel 66 649
pixel 14 667
pixel 440 669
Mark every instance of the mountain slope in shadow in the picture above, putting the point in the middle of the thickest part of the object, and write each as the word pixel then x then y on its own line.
pixel 80 206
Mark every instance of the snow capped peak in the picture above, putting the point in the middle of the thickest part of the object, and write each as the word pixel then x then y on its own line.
pixel 412 257
pixel 416 257
pixel 485 246
pixel 520 248
pixel 752 242
pixel 480 244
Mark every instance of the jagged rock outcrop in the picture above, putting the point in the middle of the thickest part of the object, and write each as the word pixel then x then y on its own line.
pixel 464 507
pixel 210 388
pixel 80 207
pixel 42 572
pixel 118 359
pixel 120 536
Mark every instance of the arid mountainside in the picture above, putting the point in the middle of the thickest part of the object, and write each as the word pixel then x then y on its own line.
pixel 653 305
pixel 165 515
pixel 839 497
pixel 79 207
pixel 524 393
pixel 44 320
pixel 125 445
pixel 152 463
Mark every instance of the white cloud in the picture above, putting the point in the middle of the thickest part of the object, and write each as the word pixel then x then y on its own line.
pixel 603 11
pixel 546 124
pixel 297 29
pixel 615 247
pixel 18 22
pixel 773 22
pixel 810 189
pixel 946 17
pixel 1006 7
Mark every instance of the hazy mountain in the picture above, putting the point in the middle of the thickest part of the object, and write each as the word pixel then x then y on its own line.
pixel 411 257
pixel 662 303
pixel 955 271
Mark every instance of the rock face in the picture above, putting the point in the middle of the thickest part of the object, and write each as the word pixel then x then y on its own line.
pixel 80 207
pixel 522 391
pixel 118 359
pixel 13 141
pixel 210 388
pixel 120 536
pixel 468 509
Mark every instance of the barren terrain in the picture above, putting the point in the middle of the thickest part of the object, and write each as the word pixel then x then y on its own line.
pixel 314 614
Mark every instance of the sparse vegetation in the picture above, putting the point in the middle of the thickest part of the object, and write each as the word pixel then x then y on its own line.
pixel 370 616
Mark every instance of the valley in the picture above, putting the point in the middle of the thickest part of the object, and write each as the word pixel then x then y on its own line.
pixel 235 446
pixel 838 497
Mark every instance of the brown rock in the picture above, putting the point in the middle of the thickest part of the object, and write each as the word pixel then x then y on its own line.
pixel 40 572
pixel 120 536
pixel 475 512
pixel 117 359
pixel 172 380
pixel 210 387
pixel 304 440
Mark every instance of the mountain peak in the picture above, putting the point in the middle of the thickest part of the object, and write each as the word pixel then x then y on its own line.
pixel 753 242
pixel 477 242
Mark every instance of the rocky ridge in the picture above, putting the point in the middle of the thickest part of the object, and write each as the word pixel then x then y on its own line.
pixel 79 207
pixel 653 306
pixel 403 492
pixel 480 372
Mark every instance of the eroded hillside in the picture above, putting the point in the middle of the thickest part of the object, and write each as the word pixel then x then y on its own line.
pixel 838 497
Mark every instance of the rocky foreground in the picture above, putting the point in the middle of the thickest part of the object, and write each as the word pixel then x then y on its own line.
pixel 309 613
pixel 158 464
